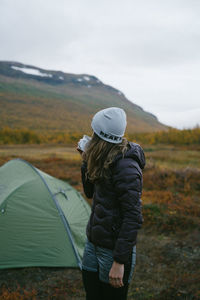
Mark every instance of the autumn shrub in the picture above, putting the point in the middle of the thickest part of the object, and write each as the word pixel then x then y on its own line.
pixel 182 180
pixel 18 294
pixel 168 211
pixel 170 137
pixel 171 198
pixel 19 136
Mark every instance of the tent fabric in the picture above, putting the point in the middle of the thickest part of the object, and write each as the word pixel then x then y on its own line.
pixel 42 219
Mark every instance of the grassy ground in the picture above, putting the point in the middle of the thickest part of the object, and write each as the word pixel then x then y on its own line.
pixel 168 249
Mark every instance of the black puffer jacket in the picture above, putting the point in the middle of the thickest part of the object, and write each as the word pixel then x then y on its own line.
pixel 116 210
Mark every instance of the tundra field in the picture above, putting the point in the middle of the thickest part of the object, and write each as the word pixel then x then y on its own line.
pixel 168 248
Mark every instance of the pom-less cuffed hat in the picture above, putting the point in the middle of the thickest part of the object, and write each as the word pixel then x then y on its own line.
pixel 110 124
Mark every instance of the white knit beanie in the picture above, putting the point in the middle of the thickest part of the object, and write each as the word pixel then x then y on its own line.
pixel 110 124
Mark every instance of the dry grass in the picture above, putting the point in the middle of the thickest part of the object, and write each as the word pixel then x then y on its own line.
pixel 39 152
pixel 168 248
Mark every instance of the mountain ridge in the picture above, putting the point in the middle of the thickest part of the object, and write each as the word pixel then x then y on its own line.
pixel 42 99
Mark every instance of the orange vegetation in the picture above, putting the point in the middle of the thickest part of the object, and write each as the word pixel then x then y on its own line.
pixel 170 137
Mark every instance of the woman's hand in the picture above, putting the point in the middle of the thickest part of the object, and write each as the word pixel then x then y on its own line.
pixel 116 275
pixel 81 153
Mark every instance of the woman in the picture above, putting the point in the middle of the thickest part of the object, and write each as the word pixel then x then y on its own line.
pixel 112 176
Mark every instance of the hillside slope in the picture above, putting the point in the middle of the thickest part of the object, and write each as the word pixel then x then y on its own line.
pixel 44 100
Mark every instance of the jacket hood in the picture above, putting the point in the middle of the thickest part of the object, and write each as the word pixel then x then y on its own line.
pixel 135 152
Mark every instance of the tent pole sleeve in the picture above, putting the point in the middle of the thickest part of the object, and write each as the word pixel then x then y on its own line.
pixel 67 227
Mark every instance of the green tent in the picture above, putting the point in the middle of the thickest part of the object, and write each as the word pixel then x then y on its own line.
pixel 42 219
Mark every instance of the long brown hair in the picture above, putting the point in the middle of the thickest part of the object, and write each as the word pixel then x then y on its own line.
pixel 100 155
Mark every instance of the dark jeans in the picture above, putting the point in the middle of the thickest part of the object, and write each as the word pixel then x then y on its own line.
pixel 98 290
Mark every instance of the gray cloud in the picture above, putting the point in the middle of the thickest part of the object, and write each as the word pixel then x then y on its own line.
pixel 149 49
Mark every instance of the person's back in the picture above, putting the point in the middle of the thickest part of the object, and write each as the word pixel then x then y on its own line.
pixel 112 176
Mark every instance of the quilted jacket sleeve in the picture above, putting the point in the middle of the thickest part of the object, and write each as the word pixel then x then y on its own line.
pixel 128 187
pixel 88 186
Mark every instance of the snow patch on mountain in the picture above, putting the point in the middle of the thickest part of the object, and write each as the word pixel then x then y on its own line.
pixel 86 78
pixel 30 71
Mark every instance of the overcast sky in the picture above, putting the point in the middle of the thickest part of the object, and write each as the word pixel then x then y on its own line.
pixel 148 49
